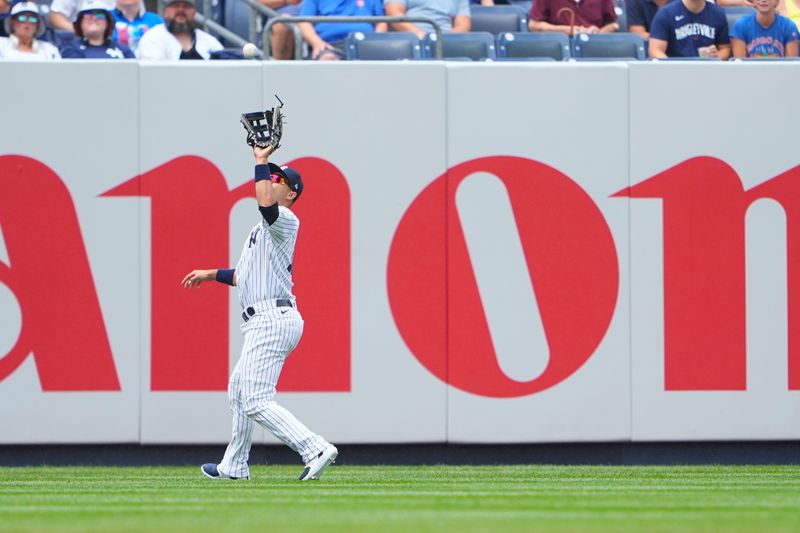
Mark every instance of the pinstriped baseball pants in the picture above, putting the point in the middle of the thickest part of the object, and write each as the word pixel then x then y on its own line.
pixel 269 337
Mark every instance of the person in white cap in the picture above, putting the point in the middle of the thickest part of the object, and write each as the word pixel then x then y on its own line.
pixel 179 37
pixel 23 25
pixel 94 29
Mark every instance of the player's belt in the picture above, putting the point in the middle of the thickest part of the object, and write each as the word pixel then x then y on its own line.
pixel 280 302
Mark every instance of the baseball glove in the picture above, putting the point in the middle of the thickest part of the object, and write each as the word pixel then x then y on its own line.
pixel 264 128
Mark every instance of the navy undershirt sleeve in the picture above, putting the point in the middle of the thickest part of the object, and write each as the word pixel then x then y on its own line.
pixel 262 172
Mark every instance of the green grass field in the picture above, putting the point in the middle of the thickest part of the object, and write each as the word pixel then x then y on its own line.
pixel 391 499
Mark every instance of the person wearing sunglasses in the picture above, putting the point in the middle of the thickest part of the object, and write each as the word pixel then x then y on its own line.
pixel 24 25
pixel 94 28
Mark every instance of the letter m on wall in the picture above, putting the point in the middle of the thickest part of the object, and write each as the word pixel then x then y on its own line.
pixel 704 206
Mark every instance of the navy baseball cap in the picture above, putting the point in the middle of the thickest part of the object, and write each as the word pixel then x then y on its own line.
pixel 293 179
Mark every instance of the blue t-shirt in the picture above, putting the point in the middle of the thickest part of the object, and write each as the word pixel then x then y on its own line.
pixel 79 49
pixel 765 42
pixel 685 31
pixel 331 32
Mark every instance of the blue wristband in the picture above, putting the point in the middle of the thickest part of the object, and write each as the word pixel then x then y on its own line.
pixel 262 172
pixel 225 275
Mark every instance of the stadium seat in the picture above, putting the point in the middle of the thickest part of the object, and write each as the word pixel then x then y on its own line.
pixel 551 45
pixel 524 60
pixel 236 16
pixel 474 45
pixel 382 46
pixel 735 13
pixel 608 46
pixel 498 19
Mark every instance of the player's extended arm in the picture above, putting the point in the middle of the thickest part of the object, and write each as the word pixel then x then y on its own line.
pixel 196 277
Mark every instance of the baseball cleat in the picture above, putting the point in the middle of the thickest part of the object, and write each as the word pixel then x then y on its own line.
pixel 210 470
pixel 317 466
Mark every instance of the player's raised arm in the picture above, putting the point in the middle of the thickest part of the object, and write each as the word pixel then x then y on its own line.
pixel 265 194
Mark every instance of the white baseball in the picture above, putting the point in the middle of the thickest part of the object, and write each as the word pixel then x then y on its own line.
pixel 249 50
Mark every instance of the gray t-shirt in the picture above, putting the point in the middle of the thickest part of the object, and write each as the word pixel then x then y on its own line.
pixel 442 11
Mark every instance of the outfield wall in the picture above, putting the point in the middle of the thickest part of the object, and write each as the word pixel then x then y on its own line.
pixel 488 252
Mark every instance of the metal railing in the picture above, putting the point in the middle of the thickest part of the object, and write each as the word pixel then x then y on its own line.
pixel 438 54
pixel 219 29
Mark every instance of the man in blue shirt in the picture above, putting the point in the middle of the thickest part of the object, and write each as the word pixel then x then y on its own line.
pixel 690 28
pixel 327 38
pixel 764 33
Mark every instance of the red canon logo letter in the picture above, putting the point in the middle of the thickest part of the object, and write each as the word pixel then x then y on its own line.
pixel 571 259
pixel 50 276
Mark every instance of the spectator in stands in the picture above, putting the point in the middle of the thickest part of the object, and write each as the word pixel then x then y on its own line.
pixel 327 39
pixel 23 25
pixel 765 33
pixel 94 28
pixel 133 21
pixel 179 37
pixel 451 15
pixel 640 14
pixel 690 28
pixel 282 40
pixel 573 16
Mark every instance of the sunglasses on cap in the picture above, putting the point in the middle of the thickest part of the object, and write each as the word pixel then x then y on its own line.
pixel 280 180
pixel 99 15
pixel 33 19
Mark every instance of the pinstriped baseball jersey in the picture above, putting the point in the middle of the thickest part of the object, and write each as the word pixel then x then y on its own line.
pixel 264 270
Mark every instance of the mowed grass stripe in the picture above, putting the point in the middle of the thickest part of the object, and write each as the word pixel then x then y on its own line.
pixel 393 499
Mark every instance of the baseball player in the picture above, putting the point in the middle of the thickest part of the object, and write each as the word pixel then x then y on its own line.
pixel 272 327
